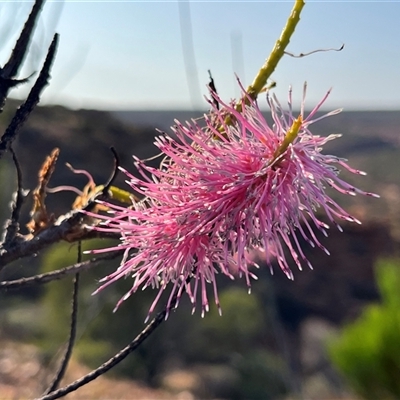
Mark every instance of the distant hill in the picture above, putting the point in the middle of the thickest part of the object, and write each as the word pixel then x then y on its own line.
pixel 366 124
pixel 371 142
pixel 363 131
pixel 162 120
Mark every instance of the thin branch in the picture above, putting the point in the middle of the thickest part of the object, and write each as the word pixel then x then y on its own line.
pixel 213 90
pixel 23 112
pixel 69 228
pixel 47 277
pixel 277 52
pixel 72 333
pixel 113 175
pixel 313 52
pixel 18 54
pixel 115 192
pixel 20 194
pixel 113 361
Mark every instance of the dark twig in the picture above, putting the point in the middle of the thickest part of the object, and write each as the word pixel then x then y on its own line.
pixel 33 98
pixel 20 194
pixel 113 175
pixel 213 90
pixel 314 51
pixel 113 361
pixel 72 333
pixel 18 54
pixel 41 279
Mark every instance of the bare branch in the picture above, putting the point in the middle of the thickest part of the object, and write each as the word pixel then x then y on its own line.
pixel 72 333
pixel 12 227
pixel 115 360
pixel 58 274
pixel 69 229
pixel 18 54
pixel 33 98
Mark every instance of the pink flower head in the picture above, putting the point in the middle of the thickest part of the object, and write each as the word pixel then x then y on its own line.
pixel 222 191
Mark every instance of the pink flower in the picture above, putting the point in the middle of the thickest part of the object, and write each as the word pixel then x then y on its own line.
pixel 222 191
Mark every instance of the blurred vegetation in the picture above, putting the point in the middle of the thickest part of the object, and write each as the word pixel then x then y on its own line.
pixel 368 350
pixel 236 339
pixel 41 314
pixel 244 346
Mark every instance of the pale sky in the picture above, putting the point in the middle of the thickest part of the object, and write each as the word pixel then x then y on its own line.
pixel 129 54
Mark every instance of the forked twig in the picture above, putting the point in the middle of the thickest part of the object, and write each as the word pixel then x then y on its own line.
pixel 69 229
pixel 8 72
pixel 24 111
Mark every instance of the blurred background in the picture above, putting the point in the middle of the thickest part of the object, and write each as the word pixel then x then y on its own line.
pixel 124 69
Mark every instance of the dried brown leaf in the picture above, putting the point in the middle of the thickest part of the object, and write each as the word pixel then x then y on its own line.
pixel 40 218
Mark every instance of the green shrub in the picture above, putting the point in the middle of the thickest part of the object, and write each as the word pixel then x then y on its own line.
pixel 368 350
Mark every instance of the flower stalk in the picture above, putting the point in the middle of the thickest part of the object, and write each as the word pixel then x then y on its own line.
pixel 277 52
pixel 272 61
pixel 290 136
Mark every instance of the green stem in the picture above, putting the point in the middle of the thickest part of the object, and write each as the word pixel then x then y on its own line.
pixel 272 61
pixel 291 134
pixel 118 194
pixel 122 195
pixel 277 52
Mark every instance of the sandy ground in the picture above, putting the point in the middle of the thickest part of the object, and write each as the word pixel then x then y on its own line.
pixel 22 377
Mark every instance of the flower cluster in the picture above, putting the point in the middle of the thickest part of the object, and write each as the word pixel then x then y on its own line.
pixel 224 189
